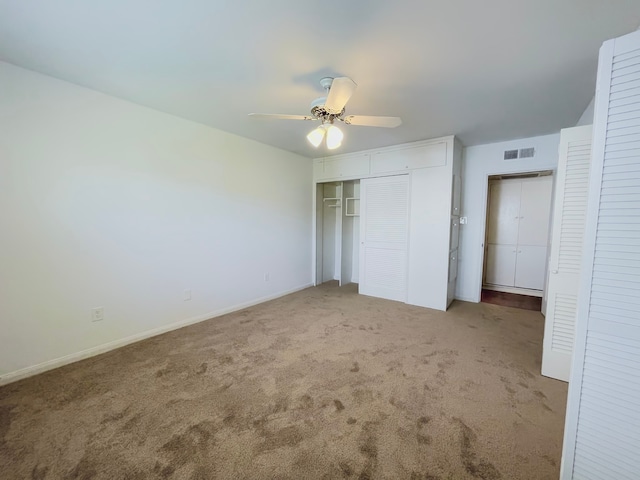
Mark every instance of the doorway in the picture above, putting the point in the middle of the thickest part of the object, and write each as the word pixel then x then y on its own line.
pixel 337 232
pixel 517 239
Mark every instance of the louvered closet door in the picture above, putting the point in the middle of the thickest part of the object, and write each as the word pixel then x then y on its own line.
pixel 384 208
pixel 570 209
pixel 602 434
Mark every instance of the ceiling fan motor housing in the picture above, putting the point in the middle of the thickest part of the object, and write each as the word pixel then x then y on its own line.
pixel 318 110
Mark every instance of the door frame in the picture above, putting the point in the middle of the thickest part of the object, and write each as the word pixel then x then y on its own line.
pixel 485 213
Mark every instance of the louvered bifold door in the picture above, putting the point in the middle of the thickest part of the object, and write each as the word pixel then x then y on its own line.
pixel 602 434
pixel 384 209
pixel 570 209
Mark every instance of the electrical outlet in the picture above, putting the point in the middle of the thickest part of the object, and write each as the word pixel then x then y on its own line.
pixel 463 220
pixel 266 277
pixel 186 295
pixel 97 314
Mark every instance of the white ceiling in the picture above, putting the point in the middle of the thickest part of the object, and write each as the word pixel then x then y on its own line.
pixel 485 70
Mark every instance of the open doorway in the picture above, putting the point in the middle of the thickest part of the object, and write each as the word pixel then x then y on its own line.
pixel 337 232
pixel 517 239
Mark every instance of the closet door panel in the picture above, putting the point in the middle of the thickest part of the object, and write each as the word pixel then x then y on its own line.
pixel 504 212
pixel 351 166
pixel 570 208
pixel 530 267
pixel 383 237
pixel 535 203
pixel 409 158
pixel 501 265
pixel 601 431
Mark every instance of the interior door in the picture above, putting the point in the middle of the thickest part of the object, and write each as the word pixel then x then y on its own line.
pixel 535 203
pixel 384 213
pixel 531 263
pixel 504 212
pixel 569 215
pixel 501 265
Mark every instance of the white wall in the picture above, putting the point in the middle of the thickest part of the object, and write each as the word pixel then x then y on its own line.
pixel 107 203
pixel 587 115
pixel 478 163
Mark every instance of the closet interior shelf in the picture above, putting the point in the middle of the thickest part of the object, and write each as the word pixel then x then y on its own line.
pixel 336 205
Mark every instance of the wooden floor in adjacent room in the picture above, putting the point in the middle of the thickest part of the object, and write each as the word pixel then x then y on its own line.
pixel 526 302
pixel 320 384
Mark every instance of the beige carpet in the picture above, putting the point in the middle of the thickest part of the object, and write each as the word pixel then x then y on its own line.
pixel 320 384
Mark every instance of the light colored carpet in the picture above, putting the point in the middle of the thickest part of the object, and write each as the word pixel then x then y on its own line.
pixel 321 384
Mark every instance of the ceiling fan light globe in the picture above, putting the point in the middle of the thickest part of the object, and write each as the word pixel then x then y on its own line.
pixel 315 136
pixel 334 137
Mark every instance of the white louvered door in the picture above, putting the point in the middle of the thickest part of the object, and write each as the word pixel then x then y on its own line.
pixel 384 209
pixel 570 209
pixel 602 431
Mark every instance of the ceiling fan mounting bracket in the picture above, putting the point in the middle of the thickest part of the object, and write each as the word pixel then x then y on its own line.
pixel 326 82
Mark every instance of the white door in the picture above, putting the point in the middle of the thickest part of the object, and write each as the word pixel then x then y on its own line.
pixel 531 263
pixel 535 206
pixel 502 234
pixel 570 208
pixel 501 265
pixel 602 438
pixel 384 209
pixel 504 212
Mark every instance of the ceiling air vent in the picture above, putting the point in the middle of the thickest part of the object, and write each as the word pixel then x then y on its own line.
pixel 527 152
pixel 510 154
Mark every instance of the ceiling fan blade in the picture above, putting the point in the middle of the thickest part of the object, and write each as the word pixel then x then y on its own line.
pixel 372 121
pixel 278 116
pixel 339 94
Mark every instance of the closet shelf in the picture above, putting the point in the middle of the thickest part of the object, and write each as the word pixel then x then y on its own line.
pixel 336 205
pixel 354 211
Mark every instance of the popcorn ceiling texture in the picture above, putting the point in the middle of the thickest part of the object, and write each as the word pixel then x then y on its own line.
pixel 320 384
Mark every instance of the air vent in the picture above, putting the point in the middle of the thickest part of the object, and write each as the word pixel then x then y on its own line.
pixel 522 153
pixel 510 154
pixel 527 152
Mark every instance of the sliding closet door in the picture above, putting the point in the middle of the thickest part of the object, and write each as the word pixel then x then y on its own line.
pixel 384 209
pixel 570 209
pixel 602 439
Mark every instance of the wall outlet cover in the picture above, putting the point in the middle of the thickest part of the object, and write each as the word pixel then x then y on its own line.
pixel 97 314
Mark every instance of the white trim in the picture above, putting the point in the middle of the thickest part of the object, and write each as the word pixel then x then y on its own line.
pixel 465 299
pixel 106 347
pixel 588 253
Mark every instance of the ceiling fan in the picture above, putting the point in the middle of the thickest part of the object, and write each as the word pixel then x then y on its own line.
pixel 330 108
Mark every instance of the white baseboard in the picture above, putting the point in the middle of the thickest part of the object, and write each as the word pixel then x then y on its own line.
pixel 466 299
pixel 106 347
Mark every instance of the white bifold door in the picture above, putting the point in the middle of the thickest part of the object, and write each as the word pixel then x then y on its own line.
pixel 570 208
pixel 602 430
pixel 384 214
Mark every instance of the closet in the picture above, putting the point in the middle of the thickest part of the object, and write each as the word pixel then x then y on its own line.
pixel 517 234
pixel 337 231
pixel 388 219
